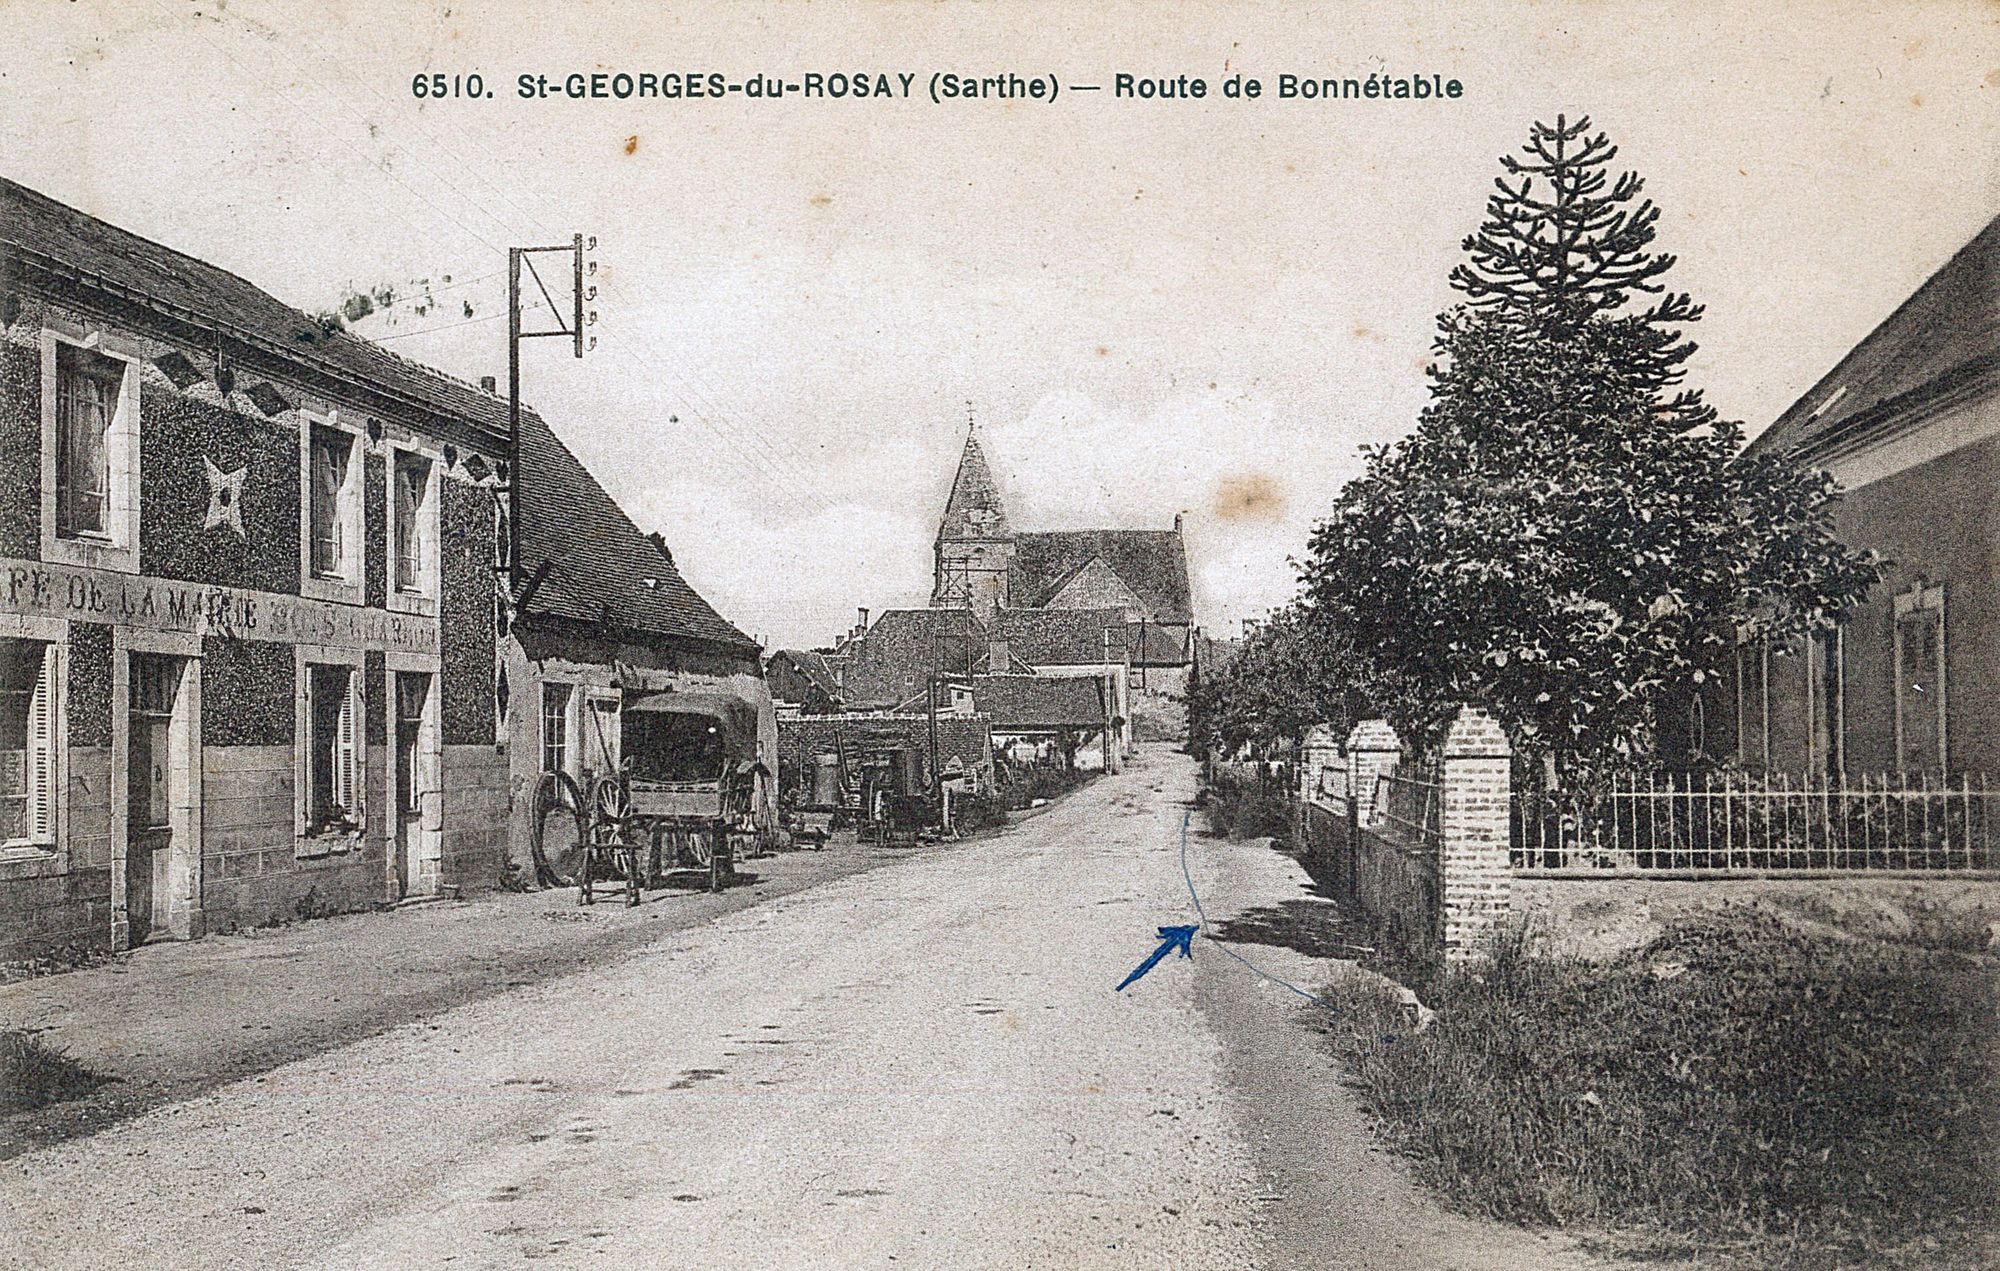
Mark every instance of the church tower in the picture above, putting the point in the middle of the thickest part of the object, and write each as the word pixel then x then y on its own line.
pixel 975 544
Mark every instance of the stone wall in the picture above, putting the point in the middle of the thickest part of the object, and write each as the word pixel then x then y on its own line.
pixel 197 417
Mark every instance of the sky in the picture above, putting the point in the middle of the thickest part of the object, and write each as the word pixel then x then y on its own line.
pixel 1151 307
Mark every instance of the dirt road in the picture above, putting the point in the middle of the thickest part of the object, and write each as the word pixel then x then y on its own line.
pixel 920 1066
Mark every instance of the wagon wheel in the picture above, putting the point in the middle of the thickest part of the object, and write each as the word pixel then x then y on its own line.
pixel 559 828
pixel 610 800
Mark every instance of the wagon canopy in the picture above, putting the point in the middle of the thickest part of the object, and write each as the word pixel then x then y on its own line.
pixel 735 720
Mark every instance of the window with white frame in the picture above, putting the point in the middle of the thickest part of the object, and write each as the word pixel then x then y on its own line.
pixel 333 749
pixel 90 448
pixel 413 543
pixel 1920 688
pixel 28 715
pixel 333 503
pixel 555 727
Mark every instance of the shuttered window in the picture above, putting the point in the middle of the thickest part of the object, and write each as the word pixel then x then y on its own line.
pixel 333 759
pixel 28 713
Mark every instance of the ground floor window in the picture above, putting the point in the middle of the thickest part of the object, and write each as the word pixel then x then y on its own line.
pixel 28 711
pixel 555 727
pixel 1920 689
pixel 333 749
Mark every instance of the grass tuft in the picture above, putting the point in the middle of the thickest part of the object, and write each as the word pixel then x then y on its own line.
pixel 34 1074
pixel 1771 1097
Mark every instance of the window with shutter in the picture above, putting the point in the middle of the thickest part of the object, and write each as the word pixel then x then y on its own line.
pixel 413 537
pixel 28 717
pixel 334 749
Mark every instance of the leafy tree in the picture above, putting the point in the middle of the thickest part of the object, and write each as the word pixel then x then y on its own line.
pixel 1289 675
pixel 1570 534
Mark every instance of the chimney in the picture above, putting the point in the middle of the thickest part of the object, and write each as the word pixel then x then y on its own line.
pixel 1177 522
pixel 487 384
pixel 861 622
pixel 999 657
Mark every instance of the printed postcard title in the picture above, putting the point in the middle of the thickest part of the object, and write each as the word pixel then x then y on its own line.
pixel 938 87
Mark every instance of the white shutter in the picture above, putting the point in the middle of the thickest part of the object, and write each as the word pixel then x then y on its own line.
pixel 347 751
pixel 42 753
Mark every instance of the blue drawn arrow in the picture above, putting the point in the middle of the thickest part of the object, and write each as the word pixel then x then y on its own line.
pixel 1169 938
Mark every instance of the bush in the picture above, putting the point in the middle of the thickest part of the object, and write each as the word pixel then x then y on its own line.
pixel 1246 810
pixel 1797 1099
pixel 34 1074
pixel 1020 784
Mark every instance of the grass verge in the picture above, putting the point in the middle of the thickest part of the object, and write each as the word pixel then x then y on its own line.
pixel 34 1074
pixel 1245 811
pixel 1737 1089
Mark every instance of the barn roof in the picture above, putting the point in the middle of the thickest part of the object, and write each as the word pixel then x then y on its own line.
pixel 1029 703
pixel 602 567
pixel 898 655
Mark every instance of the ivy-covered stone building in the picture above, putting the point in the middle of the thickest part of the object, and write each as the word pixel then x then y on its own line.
pixel 249 622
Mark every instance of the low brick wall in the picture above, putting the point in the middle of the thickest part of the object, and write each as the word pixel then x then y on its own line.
pixel 1396 886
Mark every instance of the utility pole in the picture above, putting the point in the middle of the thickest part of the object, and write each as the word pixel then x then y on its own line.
pixel 519 258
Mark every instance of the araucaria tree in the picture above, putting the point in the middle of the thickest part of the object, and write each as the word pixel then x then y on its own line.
pixel 1570 535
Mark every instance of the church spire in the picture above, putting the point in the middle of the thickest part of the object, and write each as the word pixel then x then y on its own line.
pixel 974 509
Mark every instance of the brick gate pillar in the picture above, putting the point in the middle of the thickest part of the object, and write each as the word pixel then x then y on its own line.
pixel 1474 877
pixel 1373 750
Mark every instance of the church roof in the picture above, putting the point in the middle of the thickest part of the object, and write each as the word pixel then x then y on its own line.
pixel 1153 563
pixel 1947 334
pixel 974 509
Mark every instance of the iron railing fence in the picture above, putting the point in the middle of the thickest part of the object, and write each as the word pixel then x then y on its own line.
pixel 1759 823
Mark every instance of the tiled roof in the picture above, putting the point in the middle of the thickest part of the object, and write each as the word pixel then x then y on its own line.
pixel 897 655
pixel 603 568
pixel 1946 332
pixel 1031 702
pixel 1153 563
pixel 811 667
pixel 55 235
pixel 1151 644
pixel 1061 637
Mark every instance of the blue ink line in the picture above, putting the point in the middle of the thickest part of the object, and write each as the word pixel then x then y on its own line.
pixel 1171 938
pixel 1199 913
